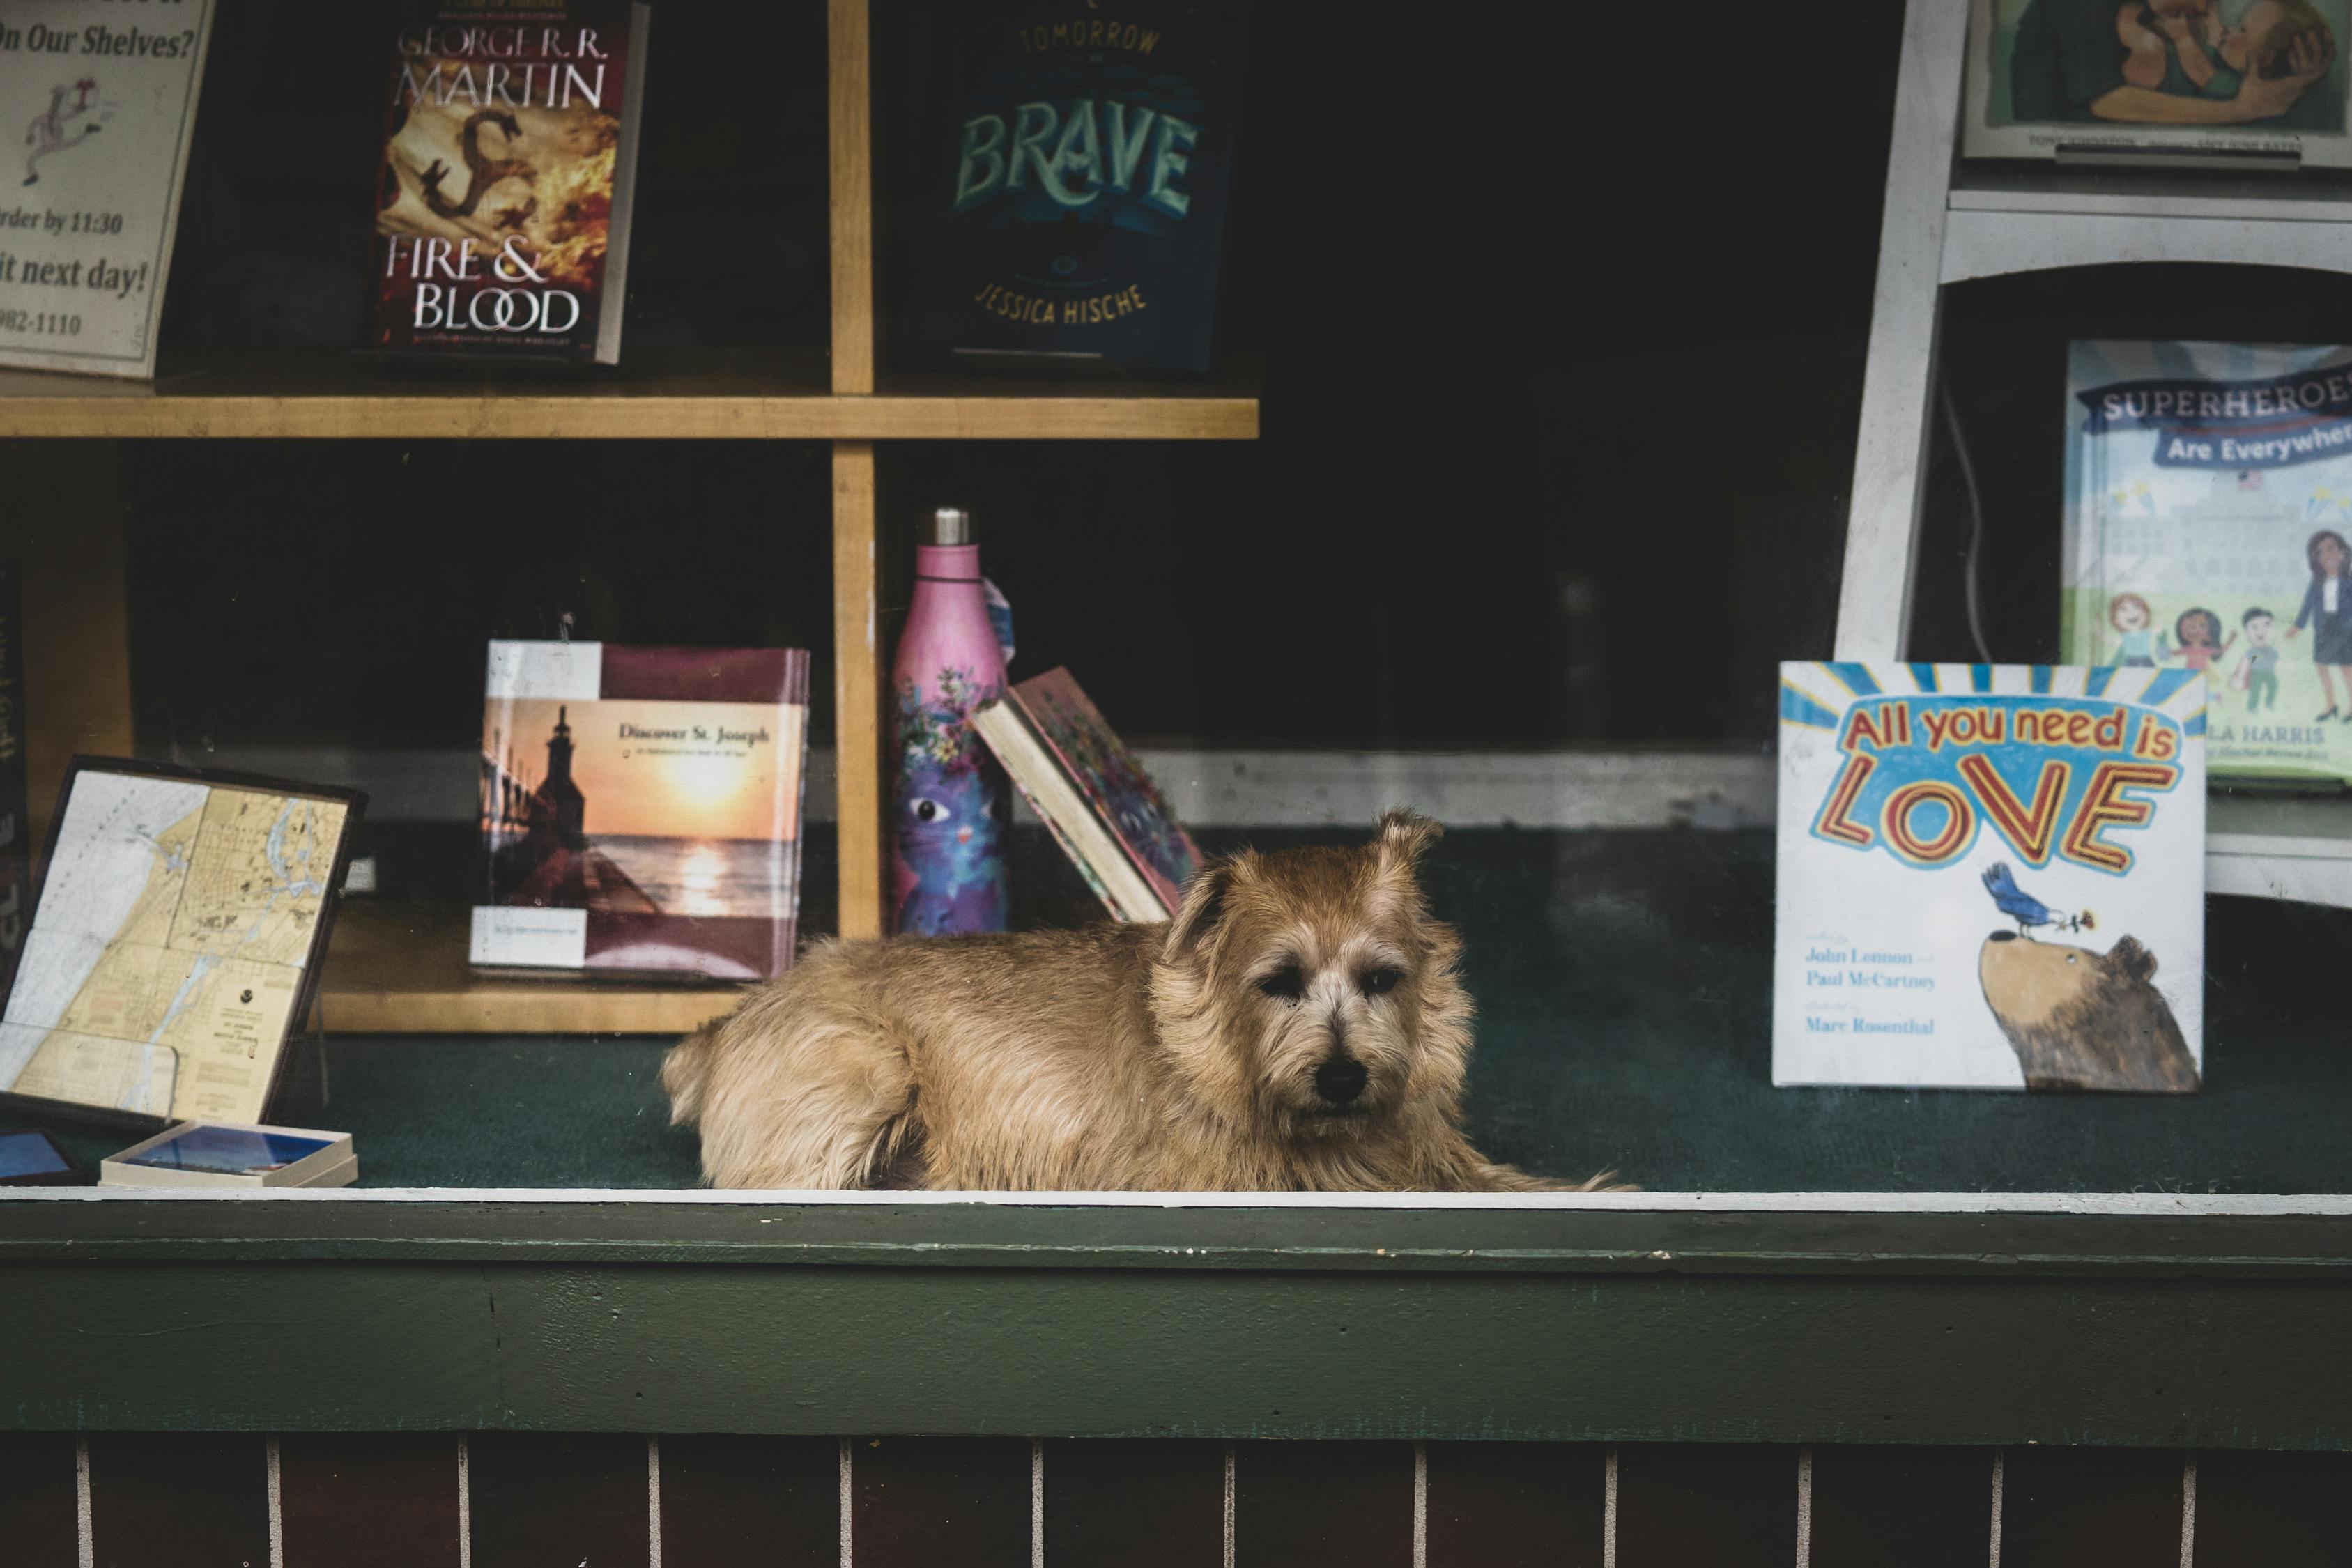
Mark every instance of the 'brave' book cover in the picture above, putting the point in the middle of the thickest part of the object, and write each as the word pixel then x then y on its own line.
pixel 1991 876
pixel 1061 177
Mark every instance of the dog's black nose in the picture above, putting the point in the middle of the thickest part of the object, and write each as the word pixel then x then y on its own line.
pixel 1341 1079
pixel 2003 936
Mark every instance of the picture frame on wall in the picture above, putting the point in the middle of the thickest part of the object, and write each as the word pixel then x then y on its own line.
pixel 173 944
pixel 2185 83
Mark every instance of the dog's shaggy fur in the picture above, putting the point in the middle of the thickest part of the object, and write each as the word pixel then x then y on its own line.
pixel 1298 1026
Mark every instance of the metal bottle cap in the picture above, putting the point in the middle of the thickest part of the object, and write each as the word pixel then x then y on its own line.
pixel 950 525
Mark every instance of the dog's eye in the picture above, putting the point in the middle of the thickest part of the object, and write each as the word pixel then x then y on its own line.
pixel 1287 984
pixel 926 810
pixel 1381 982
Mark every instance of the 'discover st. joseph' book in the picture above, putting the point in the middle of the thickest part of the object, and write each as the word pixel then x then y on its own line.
pixel 641 808
pixel 1991 876
pixel 509 164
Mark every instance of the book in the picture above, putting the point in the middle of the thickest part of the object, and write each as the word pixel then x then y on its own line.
pixel 2210 504
pixel 232 1155
pixel 174 944
pixel 106 97
pixel 15 837
pixel 1085 785
pixel 1062 178
pixel 2228 84
pixel 509 177
pixel 1991 876
pixel 641 808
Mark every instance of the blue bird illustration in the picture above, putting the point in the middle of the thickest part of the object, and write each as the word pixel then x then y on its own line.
pixel 2025 908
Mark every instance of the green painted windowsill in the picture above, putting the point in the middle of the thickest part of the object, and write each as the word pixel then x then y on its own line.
pixel 1618 1324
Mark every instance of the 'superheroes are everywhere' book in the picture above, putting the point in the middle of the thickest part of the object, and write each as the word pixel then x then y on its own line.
pixel 1991 876
pixel 2209 507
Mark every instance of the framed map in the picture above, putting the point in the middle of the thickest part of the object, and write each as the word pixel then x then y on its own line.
pixel 175 940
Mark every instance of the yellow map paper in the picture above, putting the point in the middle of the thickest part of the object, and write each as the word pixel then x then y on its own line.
pixel 164 964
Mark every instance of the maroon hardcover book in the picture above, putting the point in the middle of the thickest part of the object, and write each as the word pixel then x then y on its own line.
pixel 503 200
pixel 641 808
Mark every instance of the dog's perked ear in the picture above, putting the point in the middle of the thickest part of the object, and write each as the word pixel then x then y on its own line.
pixel 1203 906
pixel 1405 836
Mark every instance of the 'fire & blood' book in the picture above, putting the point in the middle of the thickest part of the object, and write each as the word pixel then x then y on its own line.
pixel 1061 176
pixel 510 163
pixel 1991 876
pixel 641 808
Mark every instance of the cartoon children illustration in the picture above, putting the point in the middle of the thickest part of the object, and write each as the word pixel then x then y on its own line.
pixel 2327 611
pixel 2138 646
pixel 47 134
pixel 2257 670
pixel 2202 643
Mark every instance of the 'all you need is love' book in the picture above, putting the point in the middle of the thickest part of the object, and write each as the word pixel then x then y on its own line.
pixel 1991 876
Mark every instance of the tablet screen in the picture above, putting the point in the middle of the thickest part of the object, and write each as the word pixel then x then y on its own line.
pixel 28 1155
pixel 231 1150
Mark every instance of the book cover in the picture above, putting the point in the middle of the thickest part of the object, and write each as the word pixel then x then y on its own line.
pixel 16 844
pixel 641 808
pixel 1106 775
pixel 2210 504
pixel 1078 859
pixel 1062 181
pixel 503 200
pixel 1059 802
pixel 228 1154
pixel 2223 83
pixel 1991 876
pixel 105 97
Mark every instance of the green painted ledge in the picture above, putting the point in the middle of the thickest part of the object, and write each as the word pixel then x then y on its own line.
pixel 2210 1329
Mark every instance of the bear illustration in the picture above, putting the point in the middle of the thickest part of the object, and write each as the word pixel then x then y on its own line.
pixel 2079 1019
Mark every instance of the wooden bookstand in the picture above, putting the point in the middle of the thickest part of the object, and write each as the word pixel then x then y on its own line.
pixel 1946 222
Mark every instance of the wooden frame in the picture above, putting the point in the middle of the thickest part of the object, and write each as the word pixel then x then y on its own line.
pixel 2150 1320
pixel 399 972
pixel 1947 221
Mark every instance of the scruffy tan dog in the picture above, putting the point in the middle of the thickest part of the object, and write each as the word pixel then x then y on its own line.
pixel 1298 1026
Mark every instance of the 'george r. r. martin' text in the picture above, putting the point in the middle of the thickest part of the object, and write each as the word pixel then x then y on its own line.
pixel 548 66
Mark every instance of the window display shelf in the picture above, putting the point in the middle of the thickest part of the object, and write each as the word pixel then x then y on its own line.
pixel 702 394
pixel 2133 193
pixel 401 969
pixel 2280 847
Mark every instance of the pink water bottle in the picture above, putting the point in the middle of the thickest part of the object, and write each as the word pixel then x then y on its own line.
pixel 949 805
